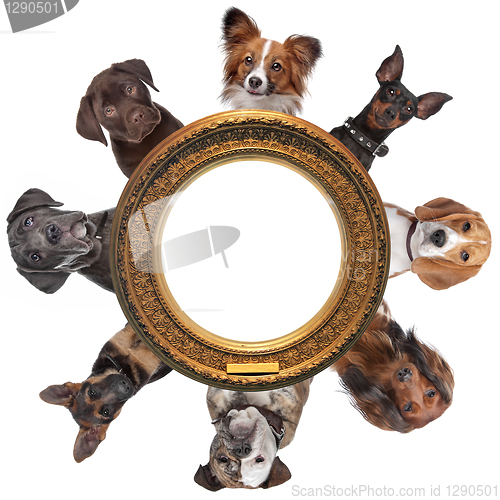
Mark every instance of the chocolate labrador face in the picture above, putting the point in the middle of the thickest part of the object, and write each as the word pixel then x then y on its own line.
pixel 118 100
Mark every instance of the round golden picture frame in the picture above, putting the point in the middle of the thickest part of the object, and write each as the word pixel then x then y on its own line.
pixel 136 242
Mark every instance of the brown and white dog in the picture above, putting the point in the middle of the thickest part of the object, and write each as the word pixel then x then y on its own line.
pixel 443 242
pixel 250 429
pixel 394 380
pixel 264 74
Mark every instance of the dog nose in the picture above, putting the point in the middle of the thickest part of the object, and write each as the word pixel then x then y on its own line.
pixel 404 374
pixel 255 83
pixel 242 450
pixel 123 387
pixel 390 113
pixel 438 238
pixel 137 116
pixel 53 234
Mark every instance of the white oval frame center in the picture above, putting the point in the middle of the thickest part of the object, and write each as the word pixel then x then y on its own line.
pixel 282 260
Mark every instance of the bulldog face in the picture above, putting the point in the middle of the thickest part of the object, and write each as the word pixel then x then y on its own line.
pixel 243 451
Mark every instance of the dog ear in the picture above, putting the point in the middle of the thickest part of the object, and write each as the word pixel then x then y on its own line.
pixel 45 282
pixel 370 398
pixel 87 124
pixel 441 274
pixel 429 104
pixel 238 27
pixel 138 68
pixel 206 478
pixel 306 51
pixel 88 440
pixel 445 209
pixel 32 198
pixel 279 474
pixel 61 395
pixel 391 68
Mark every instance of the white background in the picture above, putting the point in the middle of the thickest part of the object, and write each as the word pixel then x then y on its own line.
pixel 154 448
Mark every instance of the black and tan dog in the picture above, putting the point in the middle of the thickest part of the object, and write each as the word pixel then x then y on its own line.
pixel 250 429
pixel 118 99
pixel 390 108
pixel 124 366
pixel 49 244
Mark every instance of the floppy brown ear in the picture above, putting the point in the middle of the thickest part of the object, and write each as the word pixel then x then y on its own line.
pixel 391 68
pixel 441 274
pixel 429 104
pixel 87 124
pixel 88 440
pixel 279 474
pixel 61 395
pixel 32 198
pixel 444 209
pixel 206 478
pixel 45 281
pixel 138 68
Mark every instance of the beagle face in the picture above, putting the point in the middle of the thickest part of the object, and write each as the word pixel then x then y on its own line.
pixel 450 244
pixel 417 398
pixel 463 242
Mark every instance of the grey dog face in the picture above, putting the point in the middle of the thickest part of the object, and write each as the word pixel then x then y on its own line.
pixel 47 243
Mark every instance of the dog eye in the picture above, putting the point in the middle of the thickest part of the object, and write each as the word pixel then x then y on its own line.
pixel 223 459
pixel 109 111
pixel 259 459
pixel 28 222
pixel 430 394
pixel 248 61
pixel 465 256
pixel 130 89
pixel 466 226
pixel 391 92
pixel 409 110
pixel 105 412
pixel 36 257
pixel 276 66
pixel 92 393
pixel 408 407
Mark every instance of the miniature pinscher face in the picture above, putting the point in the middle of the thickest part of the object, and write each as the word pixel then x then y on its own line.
pixel 392 106
pixel 100 399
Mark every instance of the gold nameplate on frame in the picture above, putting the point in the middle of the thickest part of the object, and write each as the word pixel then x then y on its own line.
pixel 253 368
pixel 250 250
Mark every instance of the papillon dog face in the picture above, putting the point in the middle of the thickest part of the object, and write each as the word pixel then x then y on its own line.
pixel 261 73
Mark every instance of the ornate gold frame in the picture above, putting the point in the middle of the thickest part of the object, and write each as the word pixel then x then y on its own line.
pixel 204 145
